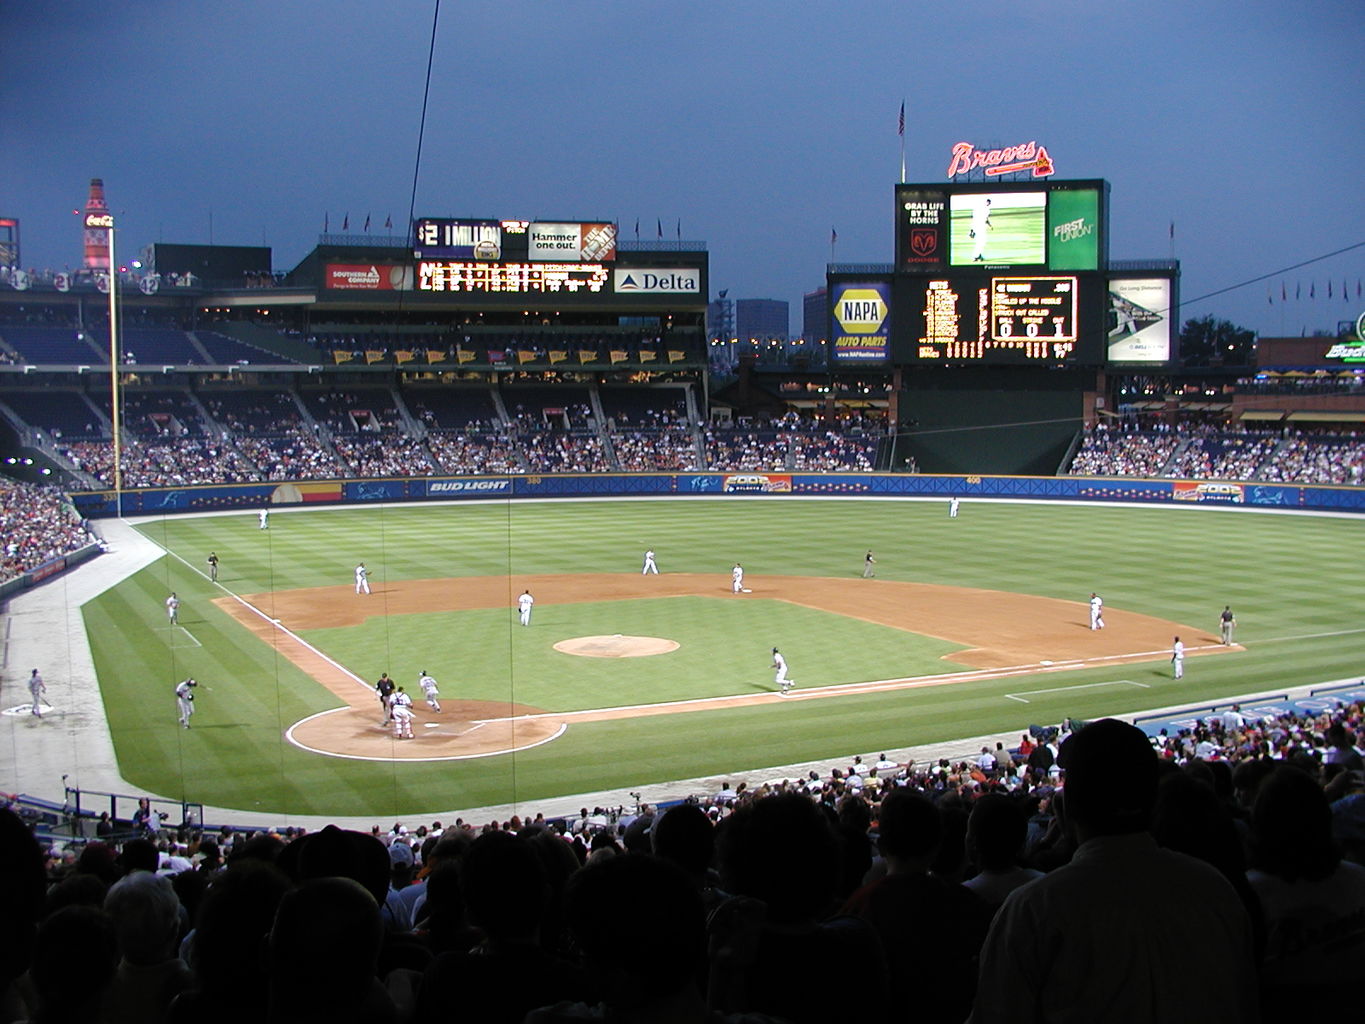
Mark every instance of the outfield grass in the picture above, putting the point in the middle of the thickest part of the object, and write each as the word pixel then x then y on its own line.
pixel 1292 580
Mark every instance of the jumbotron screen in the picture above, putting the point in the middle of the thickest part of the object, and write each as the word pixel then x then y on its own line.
pixel 1007 317
pixel 1048 226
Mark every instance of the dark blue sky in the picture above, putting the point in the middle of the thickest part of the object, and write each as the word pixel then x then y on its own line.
pixel 760 126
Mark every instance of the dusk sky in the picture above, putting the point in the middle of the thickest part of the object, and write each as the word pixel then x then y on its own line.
pixel 761 127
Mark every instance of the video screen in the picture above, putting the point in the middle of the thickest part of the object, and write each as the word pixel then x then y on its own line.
pixel 997 229
pixel 1139 321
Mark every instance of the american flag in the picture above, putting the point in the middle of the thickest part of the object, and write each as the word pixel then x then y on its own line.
pixel 901 128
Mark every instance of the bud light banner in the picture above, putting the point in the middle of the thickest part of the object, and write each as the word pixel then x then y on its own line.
pixel 860 332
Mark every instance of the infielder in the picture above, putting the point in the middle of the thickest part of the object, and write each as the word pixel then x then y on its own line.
pixel 1227 622
pixel 780 664
pixel 429 690
pixel 173 609
pixel 524 603
pixel 213 566
pixel 737 578
pixel 362 579
pixel 36 687
pixel 184 700
pixel 953 503
pixel 868 563
pixel 650 567
pixel 1178 658
pixel 264 515
pixel 1096 611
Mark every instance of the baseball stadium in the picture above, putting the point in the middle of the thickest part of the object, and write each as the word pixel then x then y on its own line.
pixel 382 449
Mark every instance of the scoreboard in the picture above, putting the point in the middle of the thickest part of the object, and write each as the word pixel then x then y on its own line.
pixel 999 273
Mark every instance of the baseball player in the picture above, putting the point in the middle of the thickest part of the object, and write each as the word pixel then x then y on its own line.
pixel 402 718
pixel 36 687
pixel 385 686
pixel 981 223
pixel 173 609
pixel 429 690
pixel 524 603
pixel 737 578
pixel 1226 623
pixel 1178 658
pixel 953 503
pixel 868 563
pixel 1096 611
pixel 184 700
pixel 362 579
pixel 213 566
pixel 780 664
pixel 264 515
pixel 650 567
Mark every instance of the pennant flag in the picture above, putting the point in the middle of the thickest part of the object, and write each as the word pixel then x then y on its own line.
pixel 646 356
pixel 586 355
pixel 558 356
pixel 1312 289
pixel 1269 298
pixel 388 222
pixel 1172 231
pixel 1357 287
pixel 525 355
pixel 680 229
pixel 1344 293
pixel 617 356
pixel 367 223
pixel 462 356
pixel 1298 290
pixel 900 129
pixel 833 236
pixel 660 224
pixel 435 356
pixel 404 355
pixel 1329 287
pixel 674 356
pixel 342 357
pixel 1283 296
pixel 373 355
pixel 346 222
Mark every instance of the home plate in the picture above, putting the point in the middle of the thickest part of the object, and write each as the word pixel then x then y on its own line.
pixel 431 725
pixel 747 590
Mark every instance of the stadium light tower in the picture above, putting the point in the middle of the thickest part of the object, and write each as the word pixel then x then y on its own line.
pixel 114 371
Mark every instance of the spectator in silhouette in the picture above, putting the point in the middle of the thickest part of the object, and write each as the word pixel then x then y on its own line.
pixel 1313 901
pixel 995 846
pixel 323 954
pixel 21 905
pixel 146 917
pixel 911 902
pixel 779 855
pixel 1125 930
pixel 75 955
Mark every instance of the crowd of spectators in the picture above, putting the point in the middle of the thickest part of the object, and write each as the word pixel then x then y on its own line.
pixel 461 452
pixel 659 450
pixel 1208 453
pixel 390 453
pixel 37 524
pixel 1216 871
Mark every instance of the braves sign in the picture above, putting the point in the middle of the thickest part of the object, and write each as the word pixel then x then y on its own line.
pixel 1011 159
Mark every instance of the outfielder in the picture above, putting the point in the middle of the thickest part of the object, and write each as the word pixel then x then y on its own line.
pixel 1227 622
pixel 264 515
pixel 184 700
pixel 981 223
pixel 362 579
pixel 650 567
pixel 953 503
pixel 213 566
pixel 1096 611
pixel 36 688
pixel 173 609
pixel 429 690
pixel 780 664
pixel 524 603
pixel 1178 658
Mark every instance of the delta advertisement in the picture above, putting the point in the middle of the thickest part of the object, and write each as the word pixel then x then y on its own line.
pixel 861 331
pixel 582 243
pixel 656 281
pixel 1138 321
pixel 368 277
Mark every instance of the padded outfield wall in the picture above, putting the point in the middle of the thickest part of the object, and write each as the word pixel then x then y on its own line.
pixel 222 497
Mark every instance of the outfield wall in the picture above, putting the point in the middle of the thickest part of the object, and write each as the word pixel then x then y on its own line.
pixel 223 497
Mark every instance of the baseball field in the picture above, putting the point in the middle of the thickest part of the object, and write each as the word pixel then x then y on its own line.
pixel 971 626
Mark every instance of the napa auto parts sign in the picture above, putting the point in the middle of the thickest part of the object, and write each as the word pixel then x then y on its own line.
pixel 1028 156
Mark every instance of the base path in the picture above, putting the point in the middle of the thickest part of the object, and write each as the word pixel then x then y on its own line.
pixel 1004 634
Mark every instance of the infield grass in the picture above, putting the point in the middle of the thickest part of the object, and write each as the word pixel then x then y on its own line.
pixel 1293 581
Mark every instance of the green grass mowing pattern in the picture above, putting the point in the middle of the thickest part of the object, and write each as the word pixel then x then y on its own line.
pixel 1285 576
pixel 725 649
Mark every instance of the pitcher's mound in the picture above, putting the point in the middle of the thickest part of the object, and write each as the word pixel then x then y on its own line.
pixel 616 646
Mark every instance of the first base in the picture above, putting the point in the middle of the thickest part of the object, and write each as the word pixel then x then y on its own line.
pixel 747 590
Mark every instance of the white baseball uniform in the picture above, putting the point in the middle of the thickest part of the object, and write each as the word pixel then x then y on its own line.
pixel 1178 658
pixel 1096 612
pixel 362 579
pixel 429 690
pixel 36 689
pixel 953 503
pixel 173 609
pixel 737 578
pixel 402 722
pixel 265 518
pixel 184 700
pixel 524 603
pixel 650 567
pixel 780 678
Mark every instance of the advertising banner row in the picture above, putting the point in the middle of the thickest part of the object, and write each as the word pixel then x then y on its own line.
pixel 252 497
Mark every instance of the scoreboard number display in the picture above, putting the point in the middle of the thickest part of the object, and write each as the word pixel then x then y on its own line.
pixel 1035 312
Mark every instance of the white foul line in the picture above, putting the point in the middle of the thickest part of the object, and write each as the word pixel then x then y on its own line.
pixel 1065 689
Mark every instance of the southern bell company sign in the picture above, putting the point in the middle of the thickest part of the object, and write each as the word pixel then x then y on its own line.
pixel 1028 156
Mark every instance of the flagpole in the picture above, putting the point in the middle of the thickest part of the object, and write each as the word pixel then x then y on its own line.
pixel 113 376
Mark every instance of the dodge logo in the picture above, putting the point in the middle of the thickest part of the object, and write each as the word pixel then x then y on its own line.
pixel 923 241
